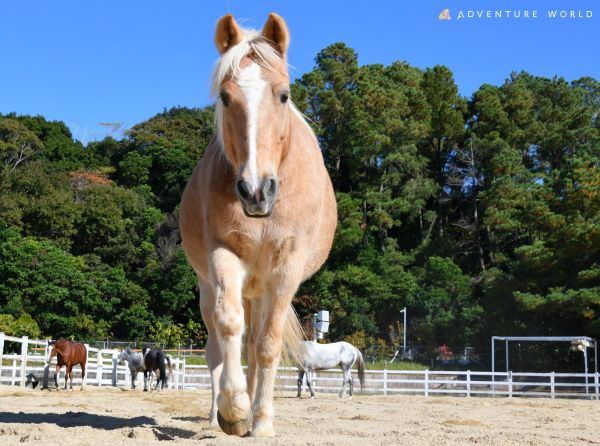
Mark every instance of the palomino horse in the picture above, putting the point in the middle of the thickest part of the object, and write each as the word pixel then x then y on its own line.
pixel 257 218
pixel 68 354
pixel 327 356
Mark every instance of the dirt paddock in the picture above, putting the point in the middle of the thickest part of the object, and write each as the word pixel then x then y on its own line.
pixel 112 416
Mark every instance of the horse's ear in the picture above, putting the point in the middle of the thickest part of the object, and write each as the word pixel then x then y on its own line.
pixel 276 32
pixel 227 34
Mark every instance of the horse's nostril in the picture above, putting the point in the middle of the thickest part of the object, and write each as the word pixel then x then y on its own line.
pixel 243 190
pixel 272 185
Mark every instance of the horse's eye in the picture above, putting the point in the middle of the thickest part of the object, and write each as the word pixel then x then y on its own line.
pixel 225 99
pixel 284 97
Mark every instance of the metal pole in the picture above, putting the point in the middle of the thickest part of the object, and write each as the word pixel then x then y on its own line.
pixel 506 348
pixel 596 356
pixel 404 347
pixel 493 366
pixel 585 360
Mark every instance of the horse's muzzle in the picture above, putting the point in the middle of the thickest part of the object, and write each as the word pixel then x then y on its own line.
pixel 259 202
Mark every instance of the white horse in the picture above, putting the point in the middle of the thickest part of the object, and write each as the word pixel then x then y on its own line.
pixel 327 356
pixel 135 361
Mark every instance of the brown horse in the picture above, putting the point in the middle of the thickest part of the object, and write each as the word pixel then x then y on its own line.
pixel 68 354
pixel 257 218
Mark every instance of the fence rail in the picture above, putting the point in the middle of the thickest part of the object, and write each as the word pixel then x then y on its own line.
pixel 103 369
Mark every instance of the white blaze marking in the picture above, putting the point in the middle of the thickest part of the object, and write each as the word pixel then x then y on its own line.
pixel 252 85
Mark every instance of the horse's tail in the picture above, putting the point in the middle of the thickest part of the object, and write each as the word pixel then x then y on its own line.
pixel 168 358
pixel 361 368
pixel 160 358
pixel 293 336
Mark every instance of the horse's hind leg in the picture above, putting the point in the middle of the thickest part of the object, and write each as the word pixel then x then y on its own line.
pixel 309 383
pixel 233 401
pixel 300 379
pixel 351 382
pixel 346 373
pixel 69 376
pixel 82 376
pixel 145 380
pixel 133 378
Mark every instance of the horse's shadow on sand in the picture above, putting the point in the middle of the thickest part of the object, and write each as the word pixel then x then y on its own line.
pixel 76 419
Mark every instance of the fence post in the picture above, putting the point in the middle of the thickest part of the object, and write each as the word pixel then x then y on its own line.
pixel 1 352
pixel 385 383
pixel 552 384
pixel 99 367
pixel 14 372
pixel 596 379
pixel 127 375
pixel 468 383
pixel 426 382
pixel 510 384
pixel 114 369
pixel 183 375
pixel 46 378
pixel 23 359
pixel 176 378
pixel 87 371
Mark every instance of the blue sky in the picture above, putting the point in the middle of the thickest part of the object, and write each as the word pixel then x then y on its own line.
pixel 123 61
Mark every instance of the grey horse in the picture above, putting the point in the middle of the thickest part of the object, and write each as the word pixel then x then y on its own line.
pixel 135 361
pixel 326 356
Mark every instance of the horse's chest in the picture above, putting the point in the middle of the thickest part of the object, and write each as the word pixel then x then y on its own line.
pixel 264 259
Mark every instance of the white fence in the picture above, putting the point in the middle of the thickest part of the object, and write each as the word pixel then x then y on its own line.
pixel 104 370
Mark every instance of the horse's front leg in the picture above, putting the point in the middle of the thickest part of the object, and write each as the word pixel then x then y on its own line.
pixel 56 374
pixel 145 380
pixel 227 279
pixel 252 311
pixel 214 360
pixel 268 348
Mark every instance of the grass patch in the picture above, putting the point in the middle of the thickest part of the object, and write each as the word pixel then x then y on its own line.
pixel 396 365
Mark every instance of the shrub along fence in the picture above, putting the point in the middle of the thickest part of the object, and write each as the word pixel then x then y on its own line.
pixel 29 367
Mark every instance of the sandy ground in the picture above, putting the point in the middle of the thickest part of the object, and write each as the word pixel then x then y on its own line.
pixel 111 416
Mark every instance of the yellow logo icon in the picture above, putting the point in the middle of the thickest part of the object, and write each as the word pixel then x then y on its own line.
pixel 444 15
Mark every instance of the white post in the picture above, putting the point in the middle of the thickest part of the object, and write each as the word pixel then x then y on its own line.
pixel 127 375
pixel 552 384
pixel 596 379
pixel 14 372
pixel 427 382
pixel 1 351
pixel 176 378
pixel 385 383
pixel 114 369
pixel 99 368
pixel 510 384
pixel 183 375
pixel 87 349
pixel 24 343
pixel 468 383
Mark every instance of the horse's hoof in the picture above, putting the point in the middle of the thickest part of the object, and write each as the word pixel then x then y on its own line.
pixel 145 390
pixel 240 428
pixel 263 432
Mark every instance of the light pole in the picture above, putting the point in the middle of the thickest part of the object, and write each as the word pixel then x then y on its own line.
pixel 404 337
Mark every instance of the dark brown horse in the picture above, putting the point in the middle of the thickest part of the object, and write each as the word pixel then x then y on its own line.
pixel 68 354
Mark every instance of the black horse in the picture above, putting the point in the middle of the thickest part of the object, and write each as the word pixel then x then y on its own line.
pixel 154 360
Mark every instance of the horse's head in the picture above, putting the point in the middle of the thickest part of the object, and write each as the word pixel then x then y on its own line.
pixel 123 356
pixel 253 108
